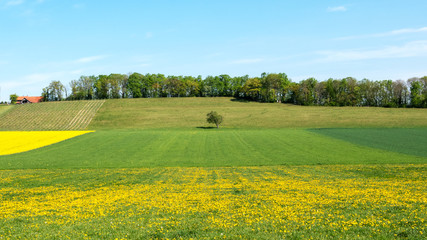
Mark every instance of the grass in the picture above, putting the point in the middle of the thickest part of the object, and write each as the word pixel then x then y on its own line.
pixel 402 140
pixel 280 202
pixel 155 170
pixel 205 148
pixel 191 113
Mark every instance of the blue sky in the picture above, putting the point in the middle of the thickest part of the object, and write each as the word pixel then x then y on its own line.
pixel 45 40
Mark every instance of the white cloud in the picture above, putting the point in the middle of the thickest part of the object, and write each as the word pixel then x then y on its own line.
pixel 387 34
pixel 337 9
pixel 410 49
pixel 90 59
pixel 406 30
pixel 248 61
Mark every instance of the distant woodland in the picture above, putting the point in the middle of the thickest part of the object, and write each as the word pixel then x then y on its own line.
pixel 271 87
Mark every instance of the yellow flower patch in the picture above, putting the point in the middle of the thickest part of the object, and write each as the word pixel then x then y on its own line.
pixel 319 202
pixel 21 141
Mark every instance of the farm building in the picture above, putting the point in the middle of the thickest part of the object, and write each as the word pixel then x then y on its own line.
pixel 26 99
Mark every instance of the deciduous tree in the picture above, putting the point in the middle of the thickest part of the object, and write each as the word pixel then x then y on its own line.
pixel 215 118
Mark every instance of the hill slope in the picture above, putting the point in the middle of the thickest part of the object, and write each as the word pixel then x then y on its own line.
pixel 4 108
pixel 74 115
pixel 187 113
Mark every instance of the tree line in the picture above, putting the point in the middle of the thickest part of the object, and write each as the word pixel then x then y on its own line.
pixel 272 87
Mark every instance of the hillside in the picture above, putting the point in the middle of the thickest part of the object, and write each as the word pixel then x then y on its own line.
pixel 50 116
pixel 155 113
pixel 4 108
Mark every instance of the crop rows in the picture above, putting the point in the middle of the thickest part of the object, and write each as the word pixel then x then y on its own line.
pixel 50 116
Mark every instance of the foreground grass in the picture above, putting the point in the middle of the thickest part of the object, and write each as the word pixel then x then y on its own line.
pixel 403 140
pixel 299 202
pixel 191 113
pixel 205 148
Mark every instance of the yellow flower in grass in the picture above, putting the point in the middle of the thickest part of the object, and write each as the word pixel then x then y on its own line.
pixel 21 141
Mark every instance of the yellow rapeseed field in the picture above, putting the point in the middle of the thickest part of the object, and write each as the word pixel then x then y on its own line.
pixel 21 141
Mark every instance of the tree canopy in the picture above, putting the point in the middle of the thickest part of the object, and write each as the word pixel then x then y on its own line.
pixel 13 98
pixel 214 118
pixel 269 87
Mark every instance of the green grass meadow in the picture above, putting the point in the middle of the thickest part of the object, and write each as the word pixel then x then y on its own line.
pixel 191 113
pixel 154 169
pixel 216 148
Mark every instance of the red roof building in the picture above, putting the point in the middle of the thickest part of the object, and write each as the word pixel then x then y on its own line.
pixel 26 99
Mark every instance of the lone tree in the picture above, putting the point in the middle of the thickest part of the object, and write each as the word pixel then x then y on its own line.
pixel 214 117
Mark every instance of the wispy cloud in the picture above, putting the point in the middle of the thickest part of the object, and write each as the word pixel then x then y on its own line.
pixel 14 2
pixel 337 9
pixel 90 59
pixel 247 61
pixel 387 34
pixel 410 49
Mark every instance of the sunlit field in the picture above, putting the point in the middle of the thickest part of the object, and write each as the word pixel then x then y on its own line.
pixel 305 202
pixel 154 169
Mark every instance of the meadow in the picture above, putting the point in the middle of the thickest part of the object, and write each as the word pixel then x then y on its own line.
pixel 276 202
pixel 209 148
pixel 166 113
pixel 153 169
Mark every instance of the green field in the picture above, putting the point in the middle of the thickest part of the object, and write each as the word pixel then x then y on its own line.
pixel 403 140
pixel 211 148
pixel 154 169
pixel 191 113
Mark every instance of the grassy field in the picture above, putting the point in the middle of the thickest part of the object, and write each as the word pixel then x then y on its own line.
pixel 155 170
pixel 280 202
pixel 209 148
pixel 191 113
pixel 407 141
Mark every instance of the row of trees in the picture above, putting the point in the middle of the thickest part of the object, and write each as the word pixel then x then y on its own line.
pixel 271 87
